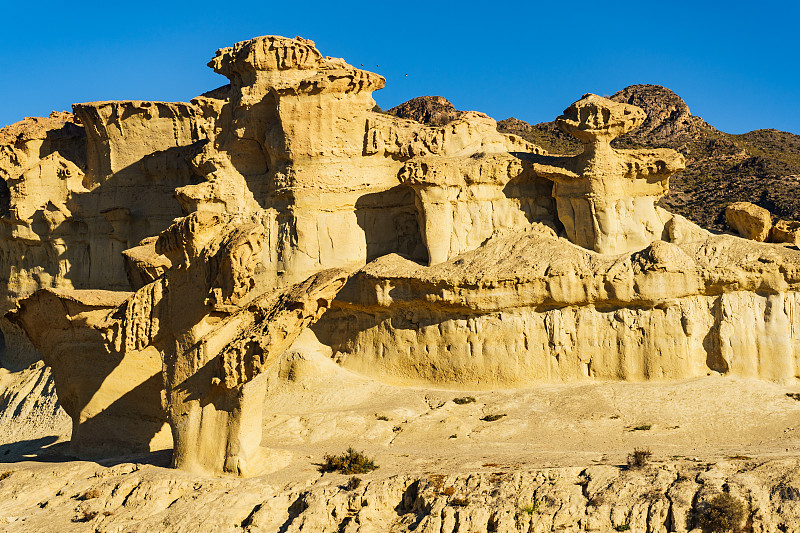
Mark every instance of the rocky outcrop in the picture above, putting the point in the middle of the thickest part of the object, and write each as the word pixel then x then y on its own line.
pixel 754 222
pixel 674 310
pixel 672 497
pixel 668 117
pixel 82 188
pixel 787 231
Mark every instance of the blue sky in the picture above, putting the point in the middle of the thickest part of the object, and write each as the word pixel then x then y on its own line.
pixel 734 63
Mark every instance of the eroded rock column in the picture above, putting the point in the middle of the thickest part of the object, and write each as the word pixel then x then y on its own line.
pixel 606 197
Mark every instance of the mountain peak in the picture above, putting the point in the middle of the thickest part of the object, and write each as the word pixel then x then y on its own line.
pixel 668 117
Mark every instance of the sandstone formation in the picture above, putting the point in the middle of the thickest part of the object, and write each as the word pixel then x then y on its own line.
pixel 761 166
pixel 482 260
pixel 605 197
pixel 201 331
pixel 754 222
pixel 749 220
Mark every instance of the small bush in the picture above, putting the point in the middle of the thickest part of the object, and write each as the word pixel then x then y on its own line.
pixel 353 483
pixel 639 458
pixel 622 527
pixel 793 395
pixel 90 495
pixel 463 400
pixel 86 516
pixel 382 417
pixel 5 475
pixel 722 513
pixel 643 427
pixel 437 482
pixel 492 418
pixel 350 462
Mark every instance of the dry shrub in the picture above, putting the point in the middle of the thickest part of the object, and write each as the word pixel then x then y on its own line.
pixel 90 495
pixel 639 458
pixel 464 400
pixel 353 483
pixel 86 515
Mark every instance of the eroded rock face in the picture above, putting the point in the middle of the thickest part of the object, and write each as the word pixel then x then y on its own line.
pixel 202 332
pixel 540 267
pixel 530 308
pixel 787 231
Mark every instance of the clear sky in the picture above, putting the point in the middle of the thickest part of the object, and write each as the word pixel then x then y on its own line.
pixel 734 63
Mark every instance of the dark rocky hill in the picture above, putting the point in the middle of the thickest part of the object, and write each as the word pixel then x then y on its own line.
pixel 762 166
pixel 433 110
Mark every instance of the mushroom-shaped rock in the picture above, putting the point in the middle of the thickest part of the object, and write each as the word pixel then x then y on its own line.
pixel 606 197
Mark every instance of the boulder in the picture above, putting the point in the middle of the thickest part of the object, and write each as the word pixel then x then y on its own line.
pixel 786 231
pixel 749 220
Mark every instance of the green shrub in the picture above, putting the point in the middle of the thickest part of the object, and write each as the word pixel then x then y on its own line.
pixel 722 513
pixel 492 418
pixel 532 508
pixel 350 462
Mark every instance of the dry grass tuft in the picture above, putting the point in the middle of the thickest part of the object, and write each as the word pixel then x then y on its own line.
pixel 639 458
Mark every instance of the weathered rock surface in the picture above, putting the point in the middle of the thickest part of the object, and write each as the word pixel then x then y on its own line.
pixel 200 331
pixel 674 310
pixel 749 220
pixel 665 498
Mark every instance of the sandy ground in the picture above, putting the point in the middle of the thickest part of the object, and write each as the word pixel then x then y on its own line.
pixel 419 431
